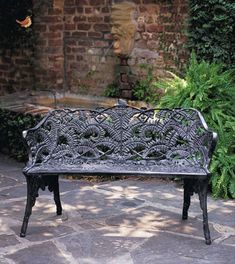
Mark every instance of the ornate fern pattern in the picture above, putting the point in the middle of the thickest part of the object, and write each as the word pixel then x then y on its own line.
pixel 121 135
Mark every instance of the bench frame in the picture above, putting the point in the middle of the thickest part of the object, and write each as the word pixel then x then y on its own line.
pixel 177 125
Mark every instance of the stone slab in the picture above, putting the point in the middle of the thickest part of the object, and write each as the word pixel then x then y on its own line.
pixel 43 210
pixel 128 221
pixel 14 210
pixel 153 190
pixel 173 249
pixel 165 194
pixel 8 240
pixel 69 185
pixel 21 190
pixel 39 254
pixel 90 204
pixel 37 232
pixel 227 213
pixel 6 181
pixel 14 192
pixel 230 240
pixel 98 246
pixel 153 219
pixel 12 173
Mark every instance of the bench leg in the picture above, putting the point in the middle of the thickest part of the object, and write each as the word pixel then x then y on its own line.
pixel 33 184
pixel 56 192
pixel 188 191
pixel 202 193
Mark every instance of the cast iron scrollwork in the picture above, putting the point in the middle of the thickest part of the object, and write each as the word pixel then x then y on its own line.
pixel 34 183
pixel 165 137
pixel 120 140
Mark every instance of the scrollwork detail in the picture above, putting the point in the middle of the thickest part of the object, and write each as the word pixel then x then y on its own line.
pixel 150 136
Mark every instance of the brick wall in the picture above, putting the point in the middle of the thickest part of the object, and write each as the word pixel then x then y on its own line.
pixel 72 49
pixel 16 71
pixel 89 64
pixel 48 25
pixel 160 39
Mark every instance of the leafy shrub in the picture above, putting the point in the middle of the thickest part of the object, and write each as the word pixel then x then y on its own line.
pixel 145 88
pixel 111 90
pixel 212 30
pixel 211 90
pixel 12 125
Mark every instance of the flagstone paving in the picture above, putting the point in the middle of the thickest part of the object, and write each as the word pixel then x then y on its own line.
pixel 129 221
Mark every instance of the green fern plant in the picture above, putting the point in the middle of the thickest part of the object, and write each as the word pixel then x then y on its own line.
pixel 111 90
pixel 145 88
pixel 210 89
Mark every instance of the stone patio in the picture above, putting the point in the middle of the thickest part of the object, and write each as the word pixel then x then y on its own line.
pixel 130 221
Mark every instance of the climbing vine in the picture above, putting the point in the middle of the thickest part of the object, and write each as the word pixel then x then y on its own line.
pixel 212 30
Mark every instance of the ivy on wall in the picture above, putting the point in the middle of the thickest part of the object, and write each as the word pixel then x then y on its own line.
pixel 212 30
pixel 13 35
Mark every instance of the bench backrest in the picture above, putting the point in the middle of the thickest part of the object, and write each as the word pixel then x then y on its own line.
pixel 121 133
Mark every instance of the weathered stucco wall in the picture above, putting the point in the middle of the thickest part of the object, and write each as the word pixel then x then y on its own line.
pixel 72 47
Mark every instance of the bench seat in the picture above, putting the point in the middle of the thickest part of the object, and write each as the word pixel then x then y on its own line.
pixel 119 169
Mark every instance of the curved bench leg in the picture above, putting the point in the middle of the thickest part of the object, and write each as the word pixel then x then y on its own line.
pixel 56 192
pixel 188 192
pixel 202 193
pixel 33 184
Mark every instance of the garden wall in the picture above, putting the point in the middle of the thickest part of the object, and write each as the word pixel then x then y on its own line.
pixel 72 46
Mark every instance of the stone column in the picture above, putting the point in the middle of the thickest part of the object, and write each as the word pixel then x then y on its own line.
pixel 124 27
pixel 124 80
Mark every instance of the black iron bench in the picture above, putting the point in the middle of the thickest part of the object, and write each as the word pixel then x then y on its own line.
pixel 120 140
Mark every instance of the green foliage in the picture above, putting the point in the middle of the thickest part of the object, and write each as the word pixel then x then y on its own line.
pixel 111 90
pixel 212 30
pixel 145 89
pixel 211 90
pixel 11 127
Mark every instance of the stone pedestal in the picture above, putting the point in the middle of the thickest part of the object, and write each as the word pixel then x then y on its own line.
pixel 124 80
